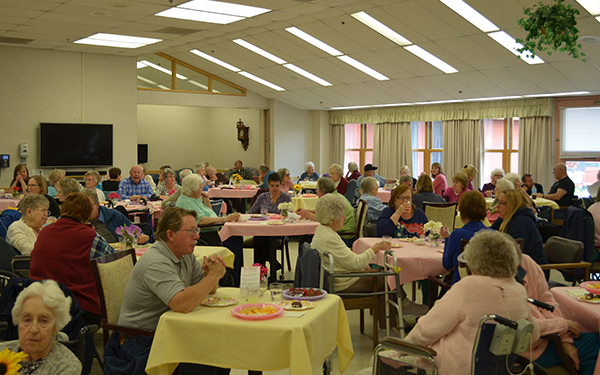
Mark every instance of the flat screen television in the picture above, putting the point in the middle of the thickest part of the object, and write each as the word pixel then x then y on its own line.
pixel 76 145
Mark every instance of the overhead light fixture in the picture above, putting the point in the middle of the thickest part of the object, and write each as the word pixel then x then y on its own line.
pixel 194 15
pixel 115 40
pixel 493 98
pixel 468 13
pixel 259 51
pixel 261 81
pixel 164 70
pixel 592 6
pixel 510 44
pixel 440 102
pixel 557 94
pixel 308 75
pixel 215 60
pixel 431 59
pixel 314 41
pixel 351 107
pixel 141 65
pixel 212 11
pixel 381 28
pixel 363 68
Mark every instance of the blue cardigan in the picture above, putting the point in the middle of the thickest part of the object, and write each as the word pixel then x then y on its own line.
pixel 113 219
pixel 452 247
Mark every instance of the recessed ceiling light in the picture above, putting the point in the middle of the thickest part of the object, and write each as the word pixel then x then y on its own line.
pixel 592 6
pixel 314 41
pixel 115 40
pixel 431 59
pixel 261 81
pixel 381 28
pixel 195 15
pixel 363 68
pixel 160 68
pixel 468 13
pixel 308 75
pixel 259 51
pixel 222 7
pixel 215 60
pixel 510 44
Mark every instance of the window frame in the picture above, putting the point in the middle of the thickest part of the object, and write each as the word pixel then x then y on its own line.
pixel 508 150
pixel 363 149
pixel 428 150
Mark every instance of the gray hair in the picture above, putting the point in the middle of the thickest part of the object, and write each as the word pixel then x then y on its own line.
pixel 514 178
pixel 190 184
pixel 368 183
pixel 94 174
pixel 330 207
pixel 337 168
pixel 404 179
pixel 325 185
pixel 491 253
pixel 69 185
pixel 183 174
pixel 495 171
pixel 52 297
pixel 33 201
pixel 405 168
pixel 197 167
pixel 92 193
pixel 263 168
pixel 352 166
pixel 504 184
pixel 56 175
pixel 308 164
pixel 167 171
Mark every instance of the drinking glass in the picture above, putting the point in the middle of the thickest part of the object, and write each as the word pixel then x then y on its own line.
pixel 264 212
pixel 276 290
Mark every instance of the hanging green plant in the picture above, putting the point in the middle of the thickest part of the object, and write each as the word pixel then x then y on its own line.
pixel 550 27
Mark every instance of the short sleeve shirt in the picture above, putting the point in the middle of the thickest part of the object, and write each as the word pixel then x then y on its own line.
pixel 567 185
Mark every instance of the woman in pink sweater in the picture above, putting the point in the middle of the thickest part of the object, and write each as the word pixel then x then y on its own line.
pixel 451 325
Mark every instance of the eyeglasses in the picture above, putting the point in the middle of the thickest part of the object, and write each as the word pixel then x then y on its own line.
pixel 498 175
pixel 191 232
pixel 502 203
pixel 44 210
pixel 32 185
pixel 403 199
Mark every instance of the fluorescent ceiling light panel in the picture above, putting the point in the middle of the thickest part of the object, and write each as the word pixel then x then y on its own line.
pixel 164 70
pixel 214 60
pixel 391 105
pixel 115 40
pixel 598 19
pixel 381 28
pixel 351 107
pixel 363 68
pixel 147 80
pixel 198 84
pixel 557 94
pixel 141 65
pixel 510 44
pixel 431 59
pixel 592 6
pixel 222 7
pixel 196 15
pixel 261 81
pixel 259 51
pixel 494 98
pixel 314 41
pixel 440 102
pixel 468 13
pixel 308 75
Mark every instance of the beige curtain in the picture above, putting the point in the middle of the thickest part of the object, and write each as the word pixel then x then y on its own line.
pixel 535 149
pixel 337 139
pixel 463 144
pixel 392 148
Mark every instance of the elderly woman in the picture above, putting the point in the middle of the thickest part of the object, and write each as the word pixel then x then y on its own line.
pixel 375 206
pixel 23 233
pixel 167 185
pixel 401 218
pixel 200 169
pixel 37 185
pixel 488 189
pixel 472 212
pixel 353 172
pixel 160 172
pixel 286 183
pixel 405 171
pixel 459 187
pixel 92 180
pixel 67 186
pixel 309 172
pixel 516 180
pixel 214 177
pixel 471 173
pixel 439 179
pixel 406 180
pixel 451 326
pixel 41 311
pixel 53 178
pixel 425 192
pixel 63 252
pixel 340 183
pixel 20 178
pixel 517 219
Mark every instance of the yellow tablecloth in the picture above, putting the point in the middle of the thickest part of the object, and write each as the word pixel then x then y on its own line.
pixel 204 251
pixel 309 203
pixel 539 202
pixel 212 336
pixel 458 223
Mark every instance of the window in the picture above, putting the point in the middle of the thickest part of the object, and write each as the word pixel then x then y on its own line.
pixel 427 142
pixel 359 145
pixel 501 137
pixel 583 174
pixel 578 128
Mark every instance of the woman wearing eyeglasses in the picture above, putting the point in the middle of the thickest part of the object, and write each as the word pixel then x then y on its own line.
pixel 37 185
pixel 23 233
pixel 286 184
pixel 401 218
pixel 488 189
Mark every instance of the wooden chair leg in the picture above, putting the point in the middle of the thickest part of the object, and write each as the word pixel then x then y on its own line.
pixel 287 256
pixel 362 321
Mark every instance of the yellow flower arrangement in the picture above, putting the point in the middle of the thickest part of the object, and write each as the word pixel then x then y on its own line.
pixel 236 177
pixel 10 362
pixel 297 188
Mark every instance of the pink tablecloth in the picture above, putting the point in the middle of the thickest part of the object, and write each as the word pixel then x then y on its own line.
pixel 5 203
pixel 384 195
pixel 415 262
pixel 262 228
pixel 231 193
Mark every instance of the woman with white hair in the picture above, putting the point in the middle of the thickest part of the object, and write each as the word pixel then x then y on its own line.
pixel 23 233
pixel 66 186
pixel 488 189
pixel 309 172
pixel 340 183
pixel 405 171
pixel 41 311
pixel 353 172
pixel 168 184
pixel 370 187
pixel 92 179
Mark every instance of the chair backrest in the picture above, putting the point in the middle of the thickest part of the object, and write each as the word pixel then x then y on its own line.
pixel 308 268
pixel 216 205
pixel 361 217
pixel 445 213
pixel 7 252
pixel 21 264
pixel 563 250
pixel 112 274
pixel 370 230
pixel 350 191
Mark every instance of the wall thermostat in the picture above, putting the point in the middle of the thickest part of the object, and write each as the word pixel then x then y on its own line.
pixel 4 161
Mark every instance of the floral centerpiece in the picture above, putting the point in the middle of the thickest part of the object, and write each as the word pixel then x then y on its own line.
pixel 434 229
pixel 15 191
pixel 129 234
pixel 286 208
pixel 297 189
pixel 113 198
pixel 236 178
pixel 264 271
pixel 10 362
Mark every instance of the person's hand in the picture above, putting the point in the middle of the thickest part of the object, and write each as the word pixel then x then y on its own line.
pixel 134 198
pixel 232 217
pixel 163 197
pixel 574 328
pixel 19 178
pixel 571 352
pixel 303 213
pixel 214 265
pixel 382 245
pixel 142 238
pixel 444 232
pixel 489 193
pixel 204 194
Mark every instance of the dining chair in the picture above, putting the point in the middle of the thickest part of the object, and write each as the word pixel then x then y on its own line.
pixel 445 213
pixel 361 219
pixel 565 255
pixel 555 220
pixel 111 273
pixel 351 191
pixel 20 265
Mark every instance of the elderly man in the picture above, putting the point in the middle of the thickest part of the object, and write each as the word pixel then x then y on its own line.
pixel 369 171
pixel 369 187
pixel 239 169
pixel 264 173
pixel 167 277
pixel 134 187
pixel 562 191
pixel 529 184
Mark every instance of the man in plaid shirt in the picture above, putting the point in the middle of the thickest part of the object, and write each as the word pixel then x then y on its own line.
pixel 134 186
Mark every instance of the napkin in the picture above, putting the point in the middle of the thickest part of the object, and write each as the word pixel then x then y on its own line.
pixel 294 314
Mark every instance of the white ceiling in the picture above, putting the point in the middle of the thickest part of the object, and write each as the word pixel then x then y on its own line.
pixel 485 68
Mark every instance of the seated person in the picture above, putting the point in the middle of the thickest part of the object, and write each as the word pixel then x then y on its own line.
pixel 168 185
pixel 425 192
pixel 309 173
pixel 529 185
pixel 369 171
pixel 264 172
pixel 439 179
pixel 406 180
pixel 200 169
pixel 488 189
pixel 149 179
pixel 172 199
pixel 114 177
pixel 375 206
pixel 472 212
pixel 215 178
pixel 502 185
pixel 20 179
pixel 459 187
pixel 516 180
pixel 168 277
pixel 405 171
pixel 471 172
pixel 340 183
pixel 238 168
pixel 401 219
pixel 23 233
pixel 286 183
pixel 53 178
pixel 353 172
pixel 106 220
pixel 451 325
pixel 92 180
pixel 65 187
pixel 594 209
pixel 37 185
pixel 562 191
pixel 160 172
pixel 134 186
pixel 41 311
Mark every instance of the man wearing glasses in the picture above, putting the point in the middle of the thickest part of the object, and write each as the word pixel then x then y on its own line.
pixel 167 277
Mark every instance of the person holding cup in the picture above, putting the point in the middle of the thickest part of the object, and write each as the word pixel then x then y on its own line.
pixel 401 219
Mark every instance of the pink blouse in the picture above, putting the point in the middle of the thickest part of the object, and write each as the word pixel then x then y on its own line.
pixel 284 188
pixel 439 184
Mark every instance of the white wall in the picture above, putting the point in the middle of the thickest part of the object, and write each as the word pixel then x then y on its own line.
pixel 291 145
pixel 49 86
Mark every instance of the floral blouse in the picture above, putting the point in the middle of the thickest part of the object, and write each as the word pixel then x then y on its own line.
pixel 161 189
pixel 264 201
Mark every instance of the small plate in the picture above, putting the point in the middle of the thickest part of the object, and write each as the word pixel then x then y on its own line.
pixel 219 301
pixel 277 222
pixel 241 312
pixel 286 295
pixel 396 244
pixel 287 305
pixel 582 298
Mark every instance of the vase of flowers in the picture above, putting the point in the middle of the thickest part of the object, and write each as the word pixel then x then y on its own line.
pixel 285 209
pixel 433 228
pixel 264 279
pixel 128 234
pixel 237 179
pixel 113 198
pixel 15 192
pixel 297 190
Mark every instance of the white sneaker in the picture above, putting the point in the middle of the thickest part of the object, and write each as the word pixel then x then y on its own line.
pixel 411 308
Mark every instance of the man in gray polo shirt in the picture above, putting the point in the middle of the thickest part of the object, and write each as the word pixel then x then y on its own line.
pixel 167 277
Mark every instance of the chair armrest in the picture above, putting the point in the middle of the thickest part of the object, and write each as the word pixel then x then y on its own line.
pixel 407 346
pixel 438 282
pixel 128 330
pixel 555 337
